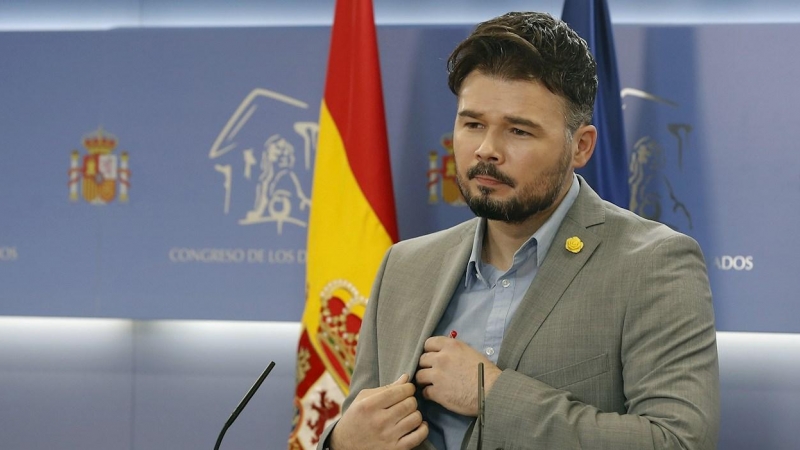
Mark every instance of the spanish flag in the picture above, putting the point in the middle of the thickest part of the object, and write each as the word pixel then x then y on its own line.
pixel 352 221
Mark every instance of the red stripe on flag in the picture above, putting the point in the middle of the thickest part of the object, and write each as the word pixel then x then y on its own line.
pixel 353 94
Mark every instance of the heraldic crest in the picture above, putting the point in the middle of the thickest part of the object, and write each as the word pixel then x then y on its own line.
pixel 100 170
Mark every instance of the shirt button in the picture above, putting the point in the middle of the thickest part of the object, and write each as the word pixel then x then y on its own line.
pixel 489 351
pixel 505 283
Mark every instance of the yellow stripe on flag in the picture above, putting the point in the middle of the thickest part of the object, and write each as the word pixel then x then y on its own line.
pixel 346 240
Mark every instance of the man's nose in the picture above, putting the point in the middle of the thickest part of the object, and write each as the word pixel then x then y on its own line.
pixel 491 149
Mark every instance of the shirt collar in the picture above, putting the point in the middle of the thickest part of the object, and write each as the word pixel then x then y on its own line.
pixel 538 244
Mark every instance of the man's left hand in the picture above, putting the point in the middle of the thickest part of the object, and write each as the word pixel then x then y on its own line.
pixel 448 374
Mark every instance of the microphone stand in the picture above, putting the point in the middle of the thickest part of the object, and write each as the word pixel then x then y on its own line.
pixel 481 406
pixel 243 403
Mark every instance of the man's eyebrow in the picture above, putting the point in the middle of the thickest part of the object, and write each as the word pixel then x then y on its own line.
pixel 470 113
pixel 515 120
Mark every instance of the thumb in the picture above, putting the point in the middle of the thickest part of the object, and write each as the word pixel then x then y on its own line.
pixel 403 379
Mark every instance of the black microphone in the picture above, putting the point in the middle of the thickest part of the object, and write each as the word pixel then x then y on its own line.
pixel 243 403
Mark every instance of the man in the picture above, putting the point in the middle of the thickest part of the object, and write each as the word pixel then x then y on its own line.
pixel 595 326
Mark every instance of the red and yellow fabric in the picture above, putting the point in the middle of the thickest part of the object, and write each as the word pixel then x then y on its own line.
pixel 352 221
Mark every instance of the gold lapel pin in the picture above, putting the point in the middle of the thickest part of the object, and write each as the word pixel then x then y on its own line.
pixel 574 244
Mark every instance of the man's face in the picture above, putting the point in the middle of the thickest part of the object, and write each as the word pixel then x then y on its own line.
pixel 512 155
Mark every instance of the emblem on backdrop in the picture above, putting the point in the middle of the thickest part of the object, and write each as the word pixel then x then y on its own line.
pixel 100 174
pixel 658 175
pixel 655 168
pixel 270 166
pixel 442 175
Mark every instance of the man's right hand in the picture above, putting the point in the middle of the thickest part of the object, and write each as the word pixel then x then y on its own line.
pixel 386 417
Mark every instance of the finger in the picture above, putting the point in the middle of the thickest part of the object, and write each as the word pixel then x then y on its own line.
pixel 428 392
pixel 426 359
pixel 364 393
pixel 403 408
pixel 370 392
pixel 424 377
pixel 408 423
pixel 435 343
pixel 390 396
pixel 414 438
pixel 403 379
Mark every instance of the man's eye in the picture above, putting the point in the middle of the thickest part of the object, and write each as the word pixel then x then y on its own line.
pixel 519 132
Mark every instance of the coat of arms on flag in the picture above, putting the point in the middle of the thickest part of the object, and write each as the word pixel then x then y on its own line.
pixel 99 172
pixel 323 376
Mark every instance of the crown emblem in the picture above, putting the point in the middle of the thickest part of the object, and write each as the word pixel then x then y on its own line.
pixel 447 142
pixel 99 174
pixel 339 327
pixel 441 174
pixel 99 142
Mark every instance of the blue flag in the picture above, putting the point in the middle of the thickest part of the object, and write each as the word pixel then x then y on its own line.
pixel 607 170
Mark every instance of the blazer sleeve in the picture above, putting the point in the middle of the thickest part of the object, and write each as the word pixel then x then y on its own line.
pixel 670 373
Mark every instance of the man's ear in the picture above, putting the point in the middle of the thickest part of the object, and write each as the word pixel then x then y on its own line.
pixel 583 144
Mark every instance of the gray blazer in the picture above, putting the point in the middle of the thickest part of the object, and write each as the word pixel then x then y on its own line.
pixel 612 347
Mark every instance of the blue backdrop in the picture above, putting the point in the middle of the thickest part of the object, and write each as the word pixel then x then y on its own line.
pixel 219 128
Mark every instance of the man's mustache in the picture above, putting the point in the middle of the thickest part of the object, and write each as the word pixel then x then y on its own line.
pixel 490 170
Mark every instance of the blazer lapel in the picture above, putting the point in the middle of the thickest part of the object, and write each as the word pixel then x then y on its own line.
pixel 450 272
pixel 555 274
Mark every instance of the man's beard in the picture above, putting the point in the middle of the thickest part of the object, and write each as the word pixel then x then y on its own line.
pixel 533 198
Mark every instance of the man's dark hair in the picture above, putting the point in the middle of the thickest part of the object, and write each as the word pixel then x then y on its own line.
pixel 531 46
